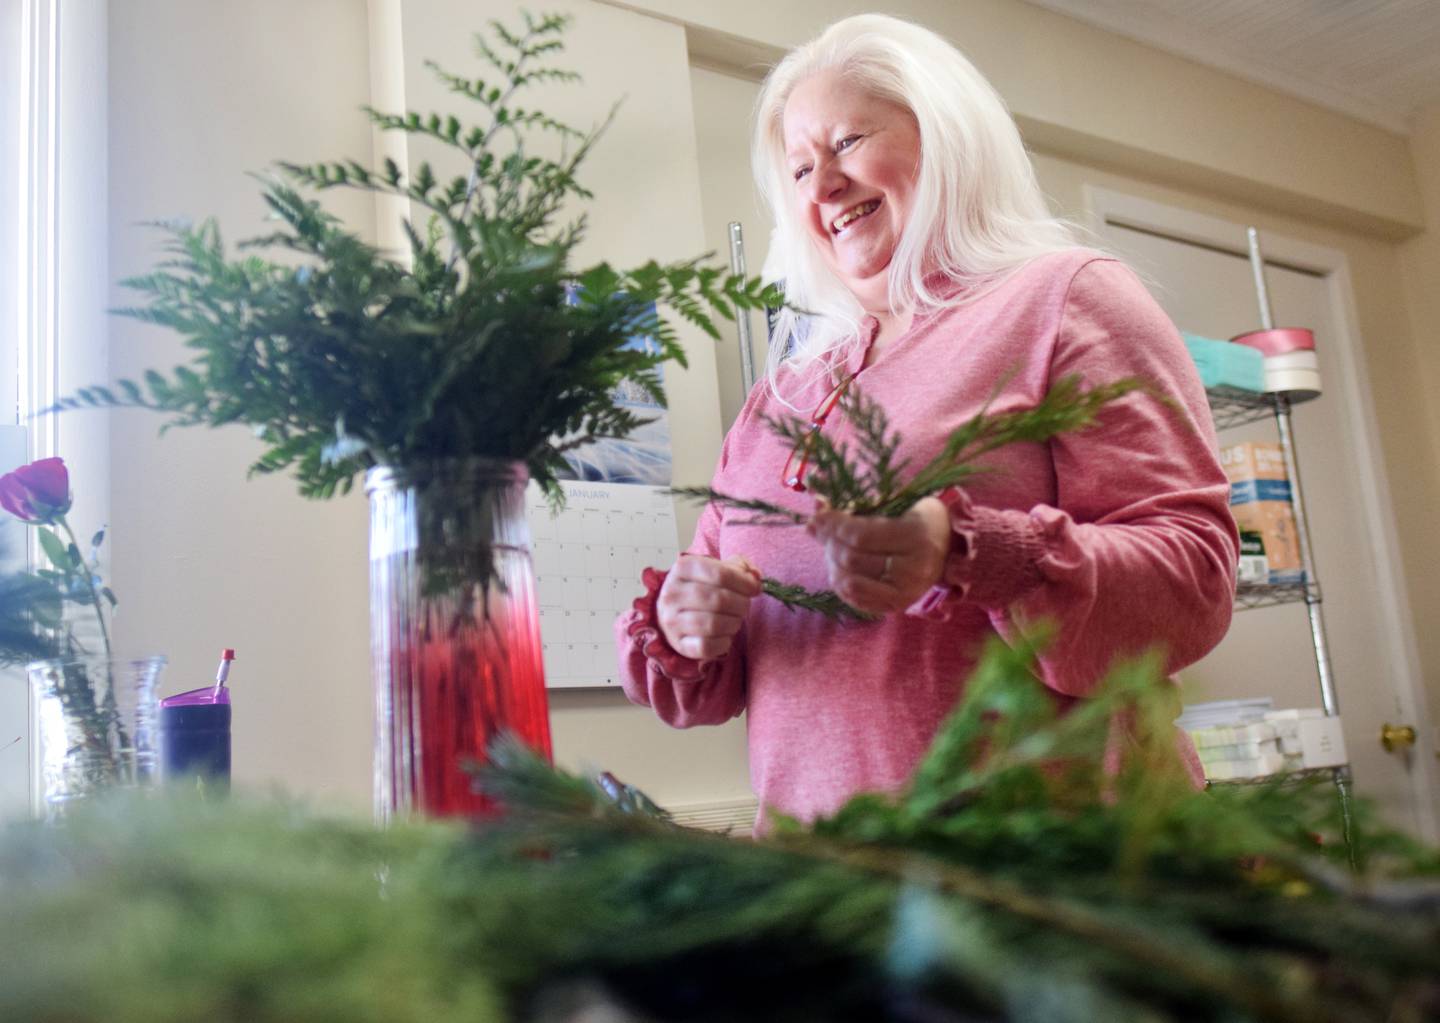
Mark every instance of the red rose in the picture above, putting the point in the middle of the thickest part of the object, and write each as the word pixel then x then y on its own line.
pixel 38 492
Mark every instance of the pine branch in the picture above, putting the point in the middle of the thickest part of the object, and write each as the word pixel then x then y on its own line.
pixel 825 602
pixel 1066 408
pixel 793 596
pixel 1049 886
pixel 766 514
pixel 28 607
pixel 870 480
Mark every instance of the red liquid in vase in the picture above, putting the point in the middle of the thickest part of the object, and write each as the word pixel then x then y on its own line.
pixel 466 686
pixel 454 630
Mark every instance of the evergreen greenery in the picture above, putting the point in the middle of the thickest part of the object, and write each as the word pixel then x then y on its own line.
pixel 872 479
pixel 24 601
pixel 825 602
pixel 1022 876
pixel 487 343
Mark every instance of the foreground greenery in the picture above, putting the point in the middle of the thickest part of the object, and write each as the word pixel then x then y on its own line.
pixel 1017 879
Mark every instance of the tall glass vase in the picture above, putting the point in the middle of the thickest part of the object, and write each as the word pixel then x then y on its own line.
pixel 94 728
pixel 455 632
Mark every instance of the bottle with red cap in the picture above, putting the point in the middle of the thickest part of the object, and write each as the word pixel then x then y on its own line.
pixel 195 732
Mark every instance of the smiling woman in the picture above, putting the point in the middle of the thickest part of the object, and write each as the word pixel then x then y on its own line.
pixel 855 157
pixel 971 206
pixel 923 268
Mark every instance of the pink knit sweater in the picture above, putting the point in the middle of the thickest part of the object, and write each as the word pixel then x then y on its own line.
pixel 1121 534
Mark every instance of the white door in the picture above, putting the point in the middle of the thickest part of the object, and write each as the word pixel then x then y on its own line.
pixel 1209 290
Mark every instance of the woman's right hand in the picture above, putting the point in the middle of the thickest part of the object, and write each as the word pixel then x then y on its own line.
pixel 703 603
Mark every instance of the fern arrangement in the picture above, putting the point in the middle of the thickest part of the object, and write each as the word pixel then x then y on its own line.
pixel 487 343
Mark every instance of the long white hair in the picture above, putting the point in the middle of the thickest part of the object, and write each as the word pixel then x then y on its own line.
pixel 978 211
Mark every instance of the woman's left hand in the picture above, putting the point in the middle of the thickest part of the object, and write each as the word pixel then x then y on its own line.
pixel 880 564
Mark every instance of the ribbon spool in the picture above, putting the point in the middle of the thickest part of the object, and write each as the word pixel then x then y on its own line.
pixel 1290 362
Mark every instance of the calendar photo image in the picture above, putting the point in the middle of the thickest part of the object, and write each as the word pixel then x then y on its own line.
pixel 642 456
pixel 588 560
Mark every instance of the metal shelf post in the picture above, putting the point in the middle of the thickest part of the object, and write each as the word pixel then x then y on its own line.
pixel 1282 407
pixel 742 316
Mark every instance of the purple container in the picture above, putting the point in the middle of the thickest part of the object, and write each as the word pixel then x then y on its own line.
pixel 195 737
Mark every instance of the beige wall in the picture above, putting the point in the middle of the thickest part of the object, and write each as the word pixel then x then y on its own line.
pixel 1421 255
pixel 1097 96
pixel 1420 265
pixel 723 103
pixel 201 94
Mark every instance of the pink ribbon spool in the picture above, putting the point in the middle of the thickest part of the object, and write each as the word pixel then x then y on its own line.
pixel 1290 363
pixel 1278 340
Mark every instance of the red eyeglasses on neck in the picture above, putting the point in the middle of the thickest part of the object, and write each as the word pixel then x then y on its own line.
pixel 793 476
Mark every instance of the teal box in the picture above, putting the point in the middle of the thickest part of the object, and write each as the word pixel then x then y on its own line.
pixel 1224 364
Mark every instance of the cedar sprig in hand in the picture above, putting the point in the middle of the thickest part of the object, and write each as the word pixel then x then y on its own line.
pixel 870 477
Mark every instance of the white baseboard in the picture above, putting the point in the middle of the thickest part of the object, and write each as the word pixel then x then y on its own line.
pixel 726 815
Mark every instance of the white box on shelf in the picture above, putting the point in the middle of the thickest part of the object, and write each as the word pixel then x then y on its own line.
pixel 1322 743
pixel 1249 767
pixel 1230 735
pixel 1239 751
pixel 1308 733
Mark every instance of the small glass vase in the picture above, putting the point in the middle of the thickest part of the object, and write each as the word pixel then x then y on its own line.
pixel 94 728
pixel 455 631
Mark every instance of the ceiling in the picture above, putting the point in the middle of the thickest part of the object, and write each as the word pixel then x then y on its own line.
pixel 1378 60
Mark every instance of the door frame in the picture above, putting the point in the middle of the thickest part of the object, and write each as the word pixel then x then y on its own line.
pixel 1106 206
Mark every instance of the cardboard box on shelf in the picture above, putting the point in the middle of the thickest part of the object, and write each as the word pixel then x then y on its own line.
pixel 1260 502
pixel 1254 567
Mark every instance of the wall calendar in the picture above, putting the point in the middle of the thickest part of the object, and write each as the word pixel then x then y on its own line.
pixel 588 561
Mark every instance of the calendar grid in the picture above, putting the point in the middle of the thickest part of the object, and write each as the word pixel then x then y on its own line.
pixel 588 561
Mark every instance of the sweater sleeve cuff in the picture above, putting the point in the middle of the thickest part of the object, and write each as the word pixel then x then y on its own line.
pixel 644 630
pixel 994 558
